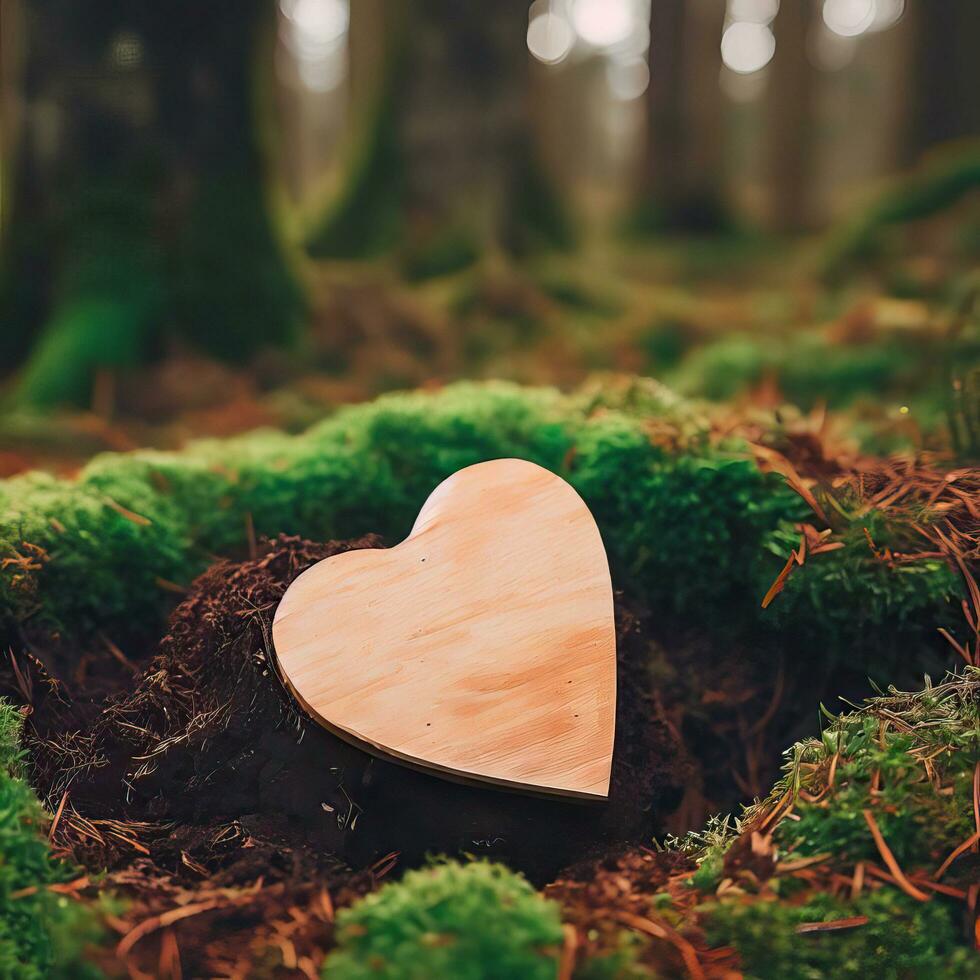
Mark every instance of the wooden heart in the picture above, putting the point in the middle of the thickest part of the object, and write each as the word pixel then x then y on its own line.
pixel 483 646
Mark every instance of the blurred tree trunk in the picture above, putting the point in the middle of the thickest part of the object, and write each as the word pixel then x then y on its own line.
pixel 789 133
pixel 143 187
pixel 683 178
pixel 22 261
pixel 233 292
pixel 946 73
pixel 665 118
pixel 12 339
pixel 445 168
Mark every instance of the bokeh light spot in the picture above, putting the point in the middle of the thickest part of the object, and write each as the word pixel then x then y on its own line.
pixel 753 11
pixel 746 47
pixel 603 23
pixel 549 38
pixel 887 13
pixel 320 22
pixel 849 18
pixel 628 79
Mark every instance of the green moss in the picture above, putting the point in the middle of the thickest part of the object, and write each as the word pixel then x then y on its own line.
pixel 579 294
pixel 667 518
pixel 10 751
pixel 808 368
pixel 880 751
pixel 698 530
pixel 664 343
pixel 107 299
pixel 622 964
pixel 816 370
pixel 762 883
pixel 722 369
pixel 90 563
pixel 477 921
pixel 944 177
pixel 901 939
pixel 42 933
pixel 852 592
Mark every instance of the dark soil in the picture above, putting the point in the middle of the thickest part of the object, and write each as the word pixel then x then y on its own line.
pixel 200 775
pixel 198 782
pixel 208 734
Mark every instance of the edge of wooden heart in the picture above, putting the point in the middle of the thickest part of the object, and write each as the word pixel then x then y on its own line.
pixel 433 768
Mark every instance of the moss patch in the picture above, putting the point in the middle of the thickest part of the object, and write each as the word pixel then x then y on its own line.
pixel 476 921
pixel 42 932
pixel 690 519
pixel 861 862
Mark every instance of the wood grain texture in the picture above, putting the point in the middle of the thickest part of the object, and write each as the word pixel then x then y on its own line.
pixel 483 646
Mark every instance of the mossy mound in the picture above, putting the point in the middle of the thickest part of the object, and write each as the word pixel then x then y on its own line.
pixel 899 360
pixel 691 520
pixel 208 736
pixel 893 938
pixel 43 929
pixel 200 762
pixel 201 782
pixel 862 862
pixel 808 368
pixel 471 922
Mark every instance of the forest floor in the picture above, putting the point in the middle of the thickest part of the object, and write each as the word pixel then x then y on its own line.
pixel 224 876
pixel 181 776
pixel 184 771
pixel 744 322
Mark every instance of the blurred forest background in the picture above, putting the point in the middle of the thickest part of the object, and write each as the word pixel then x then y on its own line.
pixel 224 215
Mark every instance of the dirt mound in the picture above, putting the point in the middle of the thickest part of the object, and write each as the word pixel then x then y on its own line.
pixel 208 739
pixel 234 824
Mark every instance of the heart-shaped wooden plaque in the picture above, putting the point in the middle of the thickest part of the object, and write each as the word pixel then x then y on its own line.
pixel 483 646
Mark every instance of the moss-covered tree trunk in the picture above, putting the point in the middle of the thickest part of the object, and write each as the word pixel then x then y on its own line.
pixel 141 191
pixel 68 175
pixel 233 292
pixel 445 166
